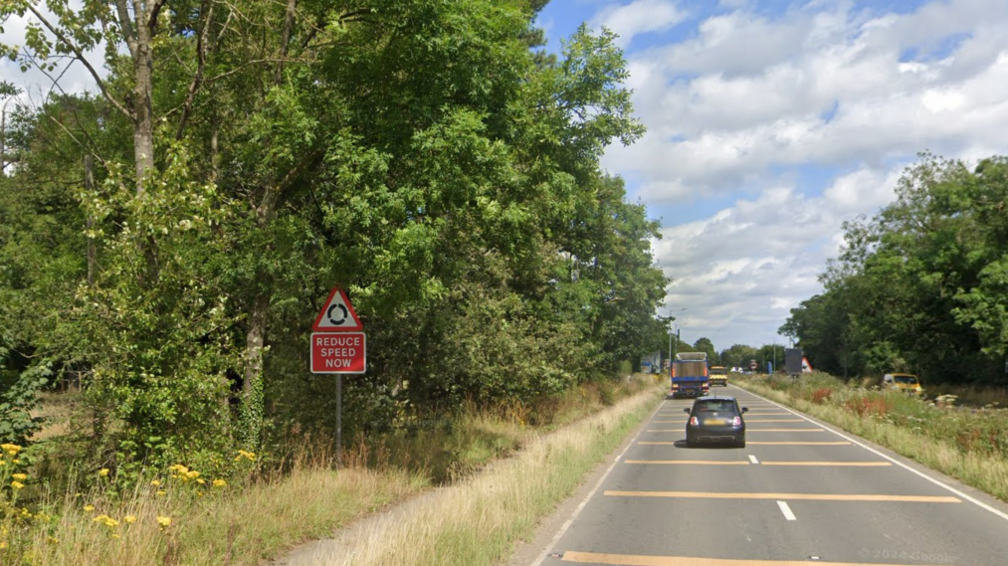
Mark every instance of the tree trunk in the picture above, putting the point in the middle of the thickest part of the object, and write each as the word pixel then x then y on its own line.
pixel 214 150
pixel 253 399
pixel 143 123
pixel 252 395
pixel 255 339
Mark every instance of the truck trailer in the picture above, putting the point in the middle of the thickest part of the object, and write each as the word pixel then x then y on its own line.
pixel 690 377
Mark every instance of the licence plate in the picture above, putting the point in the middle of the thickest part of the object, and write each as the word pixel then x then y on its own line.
pixel 716 422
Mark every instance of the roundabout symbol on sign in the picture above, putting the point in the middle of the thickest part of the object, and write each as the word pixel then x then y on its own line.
pixel 342 319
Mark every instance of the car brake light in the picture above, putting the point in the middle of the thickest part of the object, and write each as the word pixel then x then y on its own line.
pixel 694 422
pixel 737 421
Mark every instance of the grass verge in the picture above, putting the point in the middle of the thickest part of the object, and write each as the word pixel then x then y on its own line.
pixel 244 527
pixel 181 518
pixel 967 444
pixel 478 521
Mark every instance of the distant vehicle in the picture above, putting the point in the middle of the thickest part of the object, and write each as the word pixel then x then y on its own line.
pixel 715 419
pixel 906 382
pixel 719 376
pixel 689 375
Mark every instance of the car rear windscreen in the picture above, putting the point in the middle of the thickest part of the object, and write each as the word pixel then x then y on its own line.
pixel 715 407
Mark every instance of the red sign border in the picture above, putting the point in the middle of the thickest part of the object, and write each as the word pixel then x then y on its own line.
pixel 358 327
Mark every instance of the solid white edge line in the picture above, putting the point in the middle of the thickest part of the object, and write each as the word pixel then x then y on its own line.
pixel 584 502
pixel 939 483
pixel 787 511
pixel 753 459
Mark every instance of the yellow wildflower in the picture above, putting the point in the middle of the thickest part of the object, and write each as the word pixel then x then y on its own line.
pixel 164 521
pixel 201 481
pixel 52 540
pixel 103 472
pixel 156 483
pixel 129 519
pixel 20 477
pixel 16 461
pixel 89 508
pixel 192 475
pixel 245 454
pixel 111 523
pixel 161 493
pixel 115 535
pixel 100 518
pixel 11 449
pixel 3 544
pixel 16 484
pixel 219 483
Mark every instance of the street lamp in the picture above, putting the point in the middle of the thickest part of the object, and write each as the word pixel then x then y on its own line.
pixel 673 330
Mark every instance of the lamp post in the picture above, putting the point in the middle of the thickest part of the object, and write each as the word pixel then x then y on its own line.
pixel 673 329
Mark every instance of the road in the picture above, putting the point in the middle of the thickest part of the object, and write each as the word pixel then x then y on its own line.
pixel 798 493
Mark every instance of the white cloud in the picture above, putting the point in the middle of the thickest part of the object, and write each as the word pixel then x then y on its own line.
pixel 828 86
pixel 740 271
pixel 639 16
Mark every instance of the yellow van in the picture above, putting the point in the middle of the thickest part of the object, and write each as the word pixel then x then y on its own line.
pixel 906 382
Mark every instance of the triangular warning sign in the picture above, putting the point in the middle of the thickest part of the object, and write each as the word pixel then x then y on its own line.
pixel 337 314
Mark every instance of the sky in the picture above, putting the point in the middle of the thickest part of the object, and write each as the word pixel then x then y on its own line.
pixel 769 124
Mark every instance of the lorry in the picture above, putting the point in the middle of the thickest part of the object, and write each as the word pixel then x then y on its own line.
pixel 690 375
pixel 719 376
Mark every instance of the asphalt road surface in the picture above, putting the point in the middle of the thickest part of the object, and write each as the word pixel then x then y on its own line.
pixel 798 493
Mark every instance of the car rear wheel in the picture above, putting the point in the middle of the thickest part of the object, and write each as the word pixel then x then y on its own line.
pixel 740 443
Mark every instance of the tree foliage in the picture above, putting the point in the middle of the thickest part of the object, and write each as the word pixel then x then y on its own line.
pixel 921 286
pixel 426 155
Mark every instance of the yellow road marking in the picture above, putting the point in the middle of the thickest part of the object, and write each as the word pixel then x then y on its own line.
pixel 664 430
pixel 785 496
pixel 784 429
pixel 645 560
pixel 765 463
pixel 661 443
pixel 775 420
pixel 789 443
pixel 669 422
pixel 851 464
pixel 755 414
pixel 697 462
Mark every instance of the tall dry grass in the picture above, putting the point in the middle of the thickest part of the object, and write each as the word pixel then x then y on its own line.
pixel 242 527
pixel 910 427
pixel 477 521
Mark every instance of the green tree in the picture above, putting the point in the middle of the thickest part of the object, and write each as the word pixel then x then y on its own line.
pixel 704 344
pixel 421 154
pixel 917 287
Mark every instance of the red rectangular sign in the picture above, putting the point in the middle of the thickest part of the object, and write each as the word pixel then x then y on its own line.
pixel 342 352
